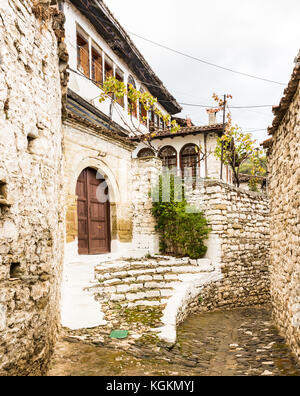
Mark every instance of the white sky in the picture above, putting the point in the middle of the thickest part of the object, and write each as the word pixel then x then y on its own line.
pixel 260 37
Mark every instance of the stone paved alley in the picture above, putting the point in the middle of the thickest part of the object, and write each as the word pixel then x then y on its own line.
pixel 240 342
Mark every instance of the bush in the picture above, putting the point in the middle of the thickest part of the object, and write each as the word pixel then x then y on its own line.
pixel 182 228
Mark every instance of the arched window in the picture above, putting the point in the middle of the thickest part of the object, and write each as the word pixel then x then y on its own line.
pixel 189 160
pixel 132 107
pixel 146 152
pixel 169 157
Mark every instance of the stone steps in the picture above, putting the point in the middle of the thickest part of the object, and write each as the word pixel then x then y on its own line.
pixel 126 265
pixel 149 274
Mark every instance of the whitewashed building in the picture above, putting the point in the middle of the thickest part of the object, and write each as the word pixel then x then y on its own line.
pixel 101 139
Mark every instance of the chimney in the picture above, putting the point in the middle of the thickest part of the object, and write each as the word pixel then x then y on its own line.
pixel 188 122
pixel 212 116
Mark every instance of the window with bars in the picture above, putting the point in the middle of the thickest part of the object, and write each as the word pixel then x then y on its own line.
pixel 83 61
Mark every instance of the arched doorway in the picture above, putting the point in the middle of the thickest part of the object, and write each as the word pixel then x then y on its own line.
pixel 93 212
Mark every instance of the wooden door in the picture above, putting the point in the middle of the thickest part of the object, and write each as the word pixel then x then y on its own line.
pixel 93 214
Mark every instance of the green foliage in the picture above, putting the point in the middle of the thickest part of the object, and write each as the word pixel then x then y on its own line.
pixel 247 167
pixel 180 226
pixel 236 147
pixel 253 184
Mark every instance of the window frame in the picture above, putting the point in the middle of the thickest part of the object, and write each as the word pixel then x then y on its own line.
pixel 132 109
pixel 196 167
pixel 145 149
pixel 121 74
pixel 169 157
pixel 100 52
pixel 84 69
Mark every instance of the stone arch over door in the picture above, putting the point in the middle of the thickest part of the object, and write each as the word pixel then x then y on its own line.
pixel 72 212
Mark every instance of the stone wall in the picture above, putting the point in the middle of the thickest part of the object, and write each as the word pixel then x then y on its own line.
pixel 145 173
pixel 31 214
pixel 284 190
pixel 238 246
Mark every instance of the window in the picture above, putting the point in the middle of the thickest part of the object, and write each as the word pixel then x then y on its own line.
pixel 189 159
pixel 151 120
pixel 142 111
pixel 83 63
pixel 156 121
pixel 168 155
pixel 132 107
pixel 143 114
pixel 97 68
pixel 108 68
pixel 120 77
pixel 161 123
pixel 145 153
pixel 2 189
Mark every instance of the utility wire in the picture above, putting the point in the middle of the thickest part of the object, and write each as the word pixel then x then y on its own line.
pixel 232 107
pixel 206 62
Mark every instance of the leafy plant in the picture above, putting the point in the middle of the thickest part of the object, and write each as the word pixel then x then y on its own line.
pixel 235 148
pixel 118 89
pixel 182 228
pixel 253 184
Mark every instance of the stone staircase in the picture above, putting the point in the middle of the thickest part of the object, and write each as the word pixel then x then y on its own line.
pixel 146 282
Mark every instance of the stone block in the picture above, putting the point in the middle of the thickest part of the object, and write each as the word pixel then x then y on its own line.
pixel 123 289
pixel 152 294
pixel 144 278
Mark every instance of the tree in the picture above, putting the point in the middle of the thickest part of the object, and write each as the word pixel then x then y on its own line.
pixel 247 167
pixel 235 148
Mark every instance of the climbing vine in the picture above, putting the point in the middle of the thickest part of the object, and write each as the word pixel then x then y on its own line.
pixel 114 89
pixel 183 229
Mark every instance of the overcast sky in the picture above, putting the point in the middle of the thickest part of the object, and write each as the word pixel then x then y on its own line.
pixel 259 37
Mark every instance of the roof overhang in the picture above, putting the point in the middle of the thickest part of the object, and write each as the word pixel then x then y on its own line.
pixel 119 41
pixel 184 131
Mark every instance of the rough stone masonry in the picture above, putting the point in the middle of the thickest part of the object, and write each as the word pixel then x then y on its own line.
pixel 284 191
pixel 31 214
pixel 239 245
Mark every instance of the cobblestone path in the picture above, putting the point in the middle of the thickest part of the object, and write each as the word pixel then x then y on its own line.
pixel 241 342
